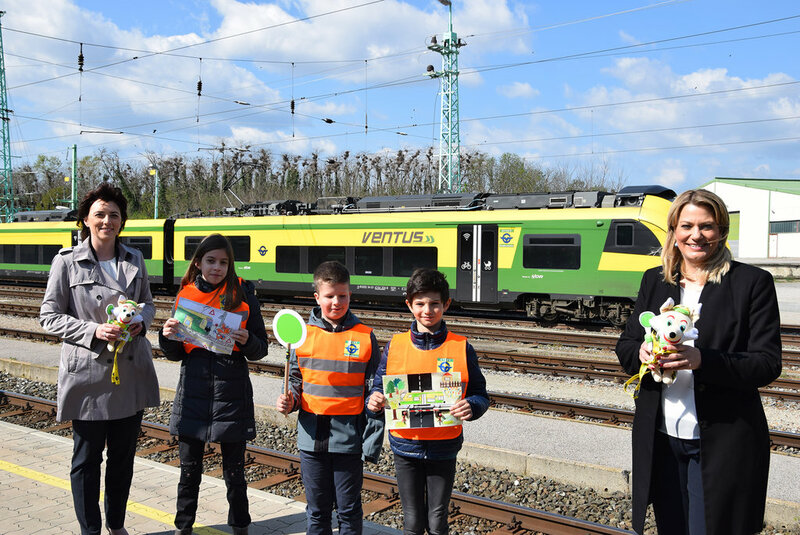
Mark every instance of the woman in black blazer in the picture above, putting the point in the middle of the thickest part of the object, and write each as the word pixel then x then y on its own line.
pixel 701 444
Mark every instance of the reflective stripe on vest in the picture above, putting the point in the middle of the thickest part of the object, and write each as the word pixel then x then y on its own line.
pixel 211 299
pixel 404 358
pixel 334 367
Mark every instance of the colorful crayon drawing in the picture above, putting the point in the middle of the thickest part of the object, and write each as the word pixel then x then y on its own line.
pixel 421 400
pixel 206 326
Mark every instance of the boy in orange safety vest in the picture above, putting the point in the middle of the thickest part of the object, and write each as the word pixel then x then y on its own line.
pixel 424 454
pixel 329 379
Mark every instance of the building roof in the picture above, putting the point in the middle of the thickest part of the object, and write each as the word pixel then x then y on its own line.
pixel 783 186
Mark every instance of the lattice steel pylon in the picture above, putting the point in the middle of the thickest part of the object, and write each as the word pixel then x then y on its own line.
pixel 7 209
pixel 449 138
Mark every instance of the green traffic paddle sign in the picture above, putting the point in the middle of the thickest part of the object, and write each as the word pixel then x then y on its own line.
pixel 289 328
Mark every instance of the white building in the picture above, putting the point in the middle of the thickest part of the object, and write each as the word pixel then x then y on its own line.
pixel 765 216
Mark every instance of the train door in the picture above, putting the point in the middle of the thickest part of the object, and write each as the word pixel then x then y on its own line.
pixel 476 273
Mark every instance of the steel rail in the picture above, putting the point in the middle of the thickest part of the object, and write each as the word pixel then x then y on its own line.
pixel 512 517
pixel 496 359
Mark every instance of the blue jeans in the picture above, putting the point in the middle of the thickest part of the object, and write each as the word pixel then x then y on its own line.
pixel 90 437
pixel 425 487
pixel 328 477
pixel 677 486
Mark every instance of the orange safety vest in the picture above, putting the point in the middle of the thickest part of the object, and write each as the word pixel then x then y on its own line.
pixel 211 299
pixel 404 358
pixel 334 366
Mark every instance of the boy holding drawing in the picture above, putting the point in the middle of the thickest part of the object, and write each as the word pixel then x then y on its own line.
pixel 329 378
pixel 214 398
pixel 415 379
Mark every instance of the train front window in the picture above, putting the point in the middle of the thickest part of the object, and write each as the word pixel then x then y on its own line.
pixel 406 259
pixel 551 251
pixel 369 261
pixel 318 255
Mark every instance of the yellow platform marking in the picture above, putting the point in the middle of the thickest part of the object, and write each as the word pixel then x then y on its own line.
pixel 134 507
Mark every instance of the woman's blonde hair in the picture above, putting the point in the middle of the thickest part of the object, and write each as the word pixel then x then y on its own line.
pixel 719 262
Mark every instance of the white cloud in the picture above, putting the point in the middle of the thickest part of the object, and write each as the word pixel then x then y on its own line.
pixel 671 173
pixel 625 37
pixel 518 90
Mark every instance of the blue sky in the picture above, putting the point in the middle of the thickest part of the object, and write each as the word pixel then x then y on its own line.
pixel 673 92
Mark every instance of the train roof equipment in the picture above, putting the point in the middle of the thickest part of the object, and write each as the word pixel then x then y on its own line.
pixel 628 196
pixel 634 195
pixel 46 215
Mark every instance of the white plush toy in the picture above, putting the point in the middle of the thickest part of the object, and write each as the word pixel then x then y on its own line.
pixel 125 314
pixel 674 325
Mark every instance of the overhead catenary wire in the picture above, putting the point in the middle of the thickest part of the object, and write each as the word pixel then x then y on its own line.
pixel 266 109
pixel 208 41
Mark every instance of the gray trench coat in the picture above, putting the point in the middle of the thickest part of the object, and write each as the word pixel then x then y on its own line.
pixel 78 291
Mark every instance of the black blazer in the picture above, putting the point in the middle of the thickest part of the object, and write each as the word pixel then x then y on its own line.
pixel 739 340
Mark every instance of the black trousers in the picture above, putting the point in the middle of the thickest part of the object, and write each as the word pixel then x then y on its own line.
pixel 425 487
pixel 191 454
pixel 678 498
pixel 90 437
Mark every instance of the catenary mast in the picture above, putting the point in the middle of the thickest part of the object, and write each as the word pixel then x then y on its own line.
pixel 449 139
pixel 7 209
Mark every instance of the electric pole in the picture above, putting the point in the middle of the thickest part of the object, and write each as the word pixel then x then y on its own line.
pixel 7 209
pixel 449 138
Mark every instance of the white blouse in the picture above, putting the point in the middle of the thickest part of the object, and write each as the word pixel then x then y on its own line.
pixel 677 399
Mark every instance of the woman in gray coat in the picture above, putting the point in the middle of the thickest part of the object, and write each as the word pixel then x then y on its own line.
pixel 83 281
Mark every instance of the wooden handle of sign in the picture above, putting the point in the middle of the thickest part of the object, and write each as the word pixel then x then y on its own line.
pixel 286 370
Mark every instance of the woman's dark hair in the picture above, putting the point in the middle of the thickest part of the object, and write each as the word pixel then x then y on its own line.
pixel 233 296
pixel 104 192
pixel 425 280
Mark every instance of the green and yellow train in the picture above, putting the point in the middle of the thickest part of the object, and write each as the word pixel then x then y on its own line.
pixel 553 255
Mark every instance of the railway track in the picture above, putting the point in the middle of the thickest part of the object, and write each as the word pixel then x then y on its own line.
pixel 510 519
pixel 496 332
pixel 785 389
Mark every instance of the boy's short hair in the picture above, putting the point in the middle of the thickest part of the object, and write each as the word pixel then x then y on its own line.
pixel 425 280
pixel 331 272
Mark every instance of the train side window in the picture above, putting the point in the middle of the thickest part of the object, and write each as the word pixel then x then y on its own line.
pixel 9 253
pixel 551 251
pixel 406 259
pixel 287 259
pixel 318 255
pixel 143 243
pixel 28 254
pixel 190 244
pixel 369 261
pixel 624 235
pixel 629 236
pixel 241 248
pixel 49 252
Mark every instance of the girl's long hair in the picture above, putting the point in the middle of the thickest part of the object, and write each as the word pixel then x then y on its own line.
pixel 719 262
pixel 233 296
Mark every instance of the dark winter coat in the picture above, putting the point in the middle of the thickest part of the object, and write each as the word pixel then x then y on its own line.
pixel 740 345
pixel 476 395
pixel 214 398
